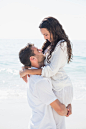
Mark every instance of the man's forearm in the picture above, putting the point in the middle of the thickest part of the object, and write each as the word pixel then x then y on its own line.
pixel 59 107
pixel 63 110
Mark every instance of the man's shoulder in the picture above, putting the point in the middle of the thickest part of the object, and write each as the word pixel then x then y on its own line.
pixel 39 79
pixel 36 78
pixel 34 82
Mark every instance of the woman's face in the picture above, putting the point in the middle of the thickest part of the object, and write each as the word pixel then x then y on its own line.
pixel 46 34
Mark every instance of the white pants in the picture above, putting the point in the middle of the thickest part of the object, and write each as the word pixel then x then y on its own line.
pixel 65 96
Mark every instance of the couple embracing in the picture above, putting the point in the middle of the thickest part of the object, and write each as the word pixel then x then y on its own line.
pixel 50 91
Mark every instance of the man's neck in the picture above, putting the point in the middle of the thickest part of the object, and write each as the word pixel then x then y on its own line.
pixel 38 65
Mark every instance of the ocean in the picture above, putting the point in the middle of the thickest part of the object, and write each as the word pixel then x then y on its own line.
pixel 12 86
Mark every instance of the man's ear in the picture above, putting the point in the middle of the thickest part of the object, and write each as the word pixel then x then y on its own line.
pixel 32 58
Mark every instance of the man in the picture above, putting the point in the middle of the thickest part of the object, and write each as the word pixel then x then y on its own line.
pixel 40 94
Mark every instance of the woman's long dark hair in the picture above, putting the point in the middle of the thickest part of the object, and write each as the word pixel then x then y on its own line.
pixel 55 28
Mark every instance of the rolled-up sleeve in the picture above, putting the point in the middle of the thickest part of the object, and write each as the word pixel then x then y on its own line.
pixel 57 61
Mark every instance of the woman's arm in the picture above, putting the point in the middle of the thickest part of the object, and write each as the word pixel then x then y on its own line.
pixel 58 60
pixel 25 72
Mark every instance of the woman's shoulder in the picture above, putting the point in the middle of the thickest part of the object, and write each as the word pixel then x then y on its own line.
pixel 61 44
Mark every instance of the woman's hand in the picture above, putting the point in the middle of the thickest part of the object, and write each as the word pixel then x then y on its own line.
pixel 25 78
pixel 69 109
pixel 23 73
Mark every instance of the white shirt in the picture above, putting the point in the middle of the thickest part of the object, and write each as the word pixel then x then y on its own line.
pixel 40 96
pixel 55 70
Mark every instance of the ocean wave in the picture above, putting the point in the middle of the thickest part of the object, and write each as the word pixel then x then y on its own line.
pixel 8 70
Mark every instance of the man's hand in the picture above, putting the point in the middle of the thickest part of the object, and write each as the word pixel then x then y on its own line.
pixel 69 108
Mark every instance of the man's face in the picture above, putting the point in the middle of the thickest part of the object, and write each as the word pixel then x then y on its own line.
pixel 38 54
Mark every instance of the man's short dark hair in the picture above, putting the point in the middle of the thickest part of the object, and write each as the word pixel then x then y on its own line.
pixel 25 54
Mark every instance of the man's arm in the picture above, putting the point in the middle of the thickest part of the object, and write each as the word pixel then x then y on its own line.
pixel 59 107
pixel 47 96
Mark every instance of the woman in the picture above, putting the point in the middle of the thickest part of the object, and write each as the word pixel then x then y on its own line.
pixel 58 51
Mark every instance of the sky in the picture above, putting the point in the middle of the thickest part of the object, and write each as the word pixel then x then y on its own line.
pixel 20 19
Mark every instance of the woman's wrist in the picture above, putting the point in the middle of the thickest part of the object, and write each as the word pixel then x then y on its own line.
pixel 27 71
pixel 32 71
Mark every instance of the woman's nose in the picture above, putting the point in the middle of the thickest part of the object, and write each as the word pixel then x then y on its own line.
pixel 45 37
pixel 40 50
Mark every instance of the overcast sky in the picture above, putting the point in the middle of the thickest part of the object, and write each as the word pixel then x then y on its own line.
pixel 19 19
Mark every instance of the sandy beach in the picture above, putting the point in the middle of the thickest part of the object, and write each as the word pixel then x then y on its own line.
pixel 15 114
